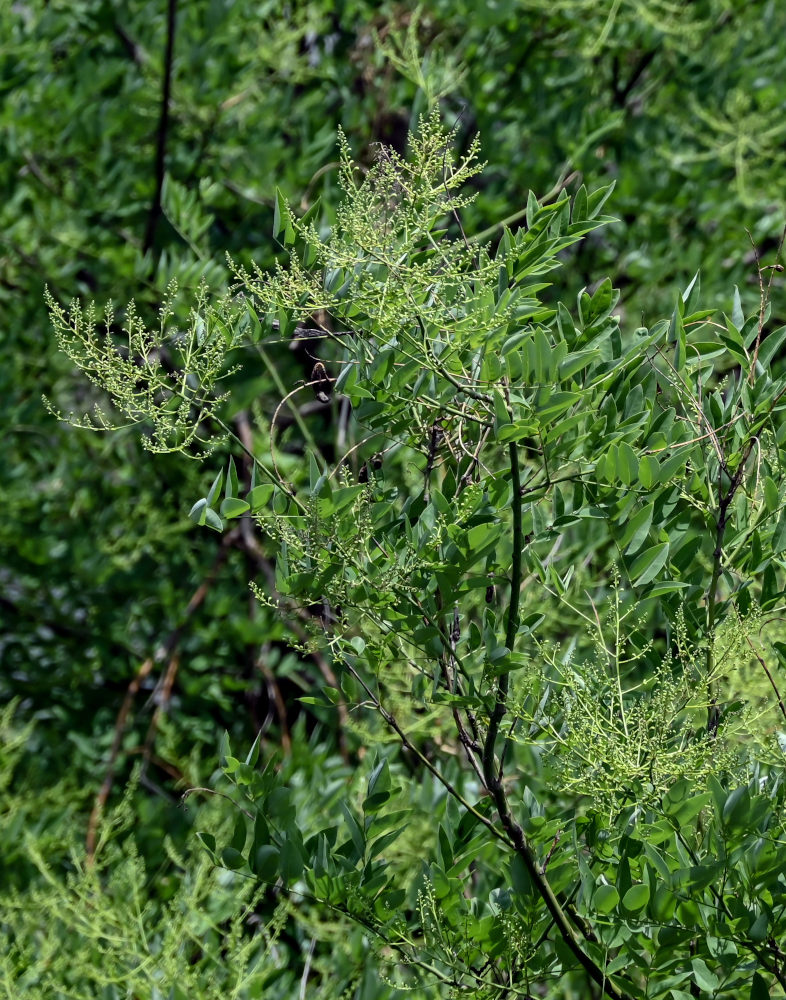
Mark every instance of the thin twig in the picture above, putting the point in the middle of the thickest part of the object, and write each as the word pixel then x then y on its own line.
pixel 770 678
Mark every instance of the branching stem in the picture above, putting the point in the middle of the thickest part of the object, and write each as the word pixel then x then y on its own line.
pixel 493 774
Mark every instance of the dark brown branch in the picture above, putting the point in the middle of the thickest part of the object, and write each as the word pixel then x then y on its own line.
pixel 133 51
pixel 167 652
pixel 621 94
pixel 163 129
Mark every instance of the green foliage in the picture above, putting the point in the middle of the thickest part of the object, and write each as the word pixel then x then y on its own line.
pixel 389 542
pixel 107 926
pixel 113 924
pixel 96 932
pixel 559 436
pixel 678 103
pixel 134 372
pixel 548 446
pixel 99 563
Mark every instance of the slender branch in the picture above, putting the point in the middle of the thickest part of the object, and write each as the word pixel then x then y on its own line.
pixel 621 94
pixel 498 712
pixel 214 791
pixel 393 723
pixel 133 50
pixel 441 370
pixel 493 774
pixel 163 128
pixel 435 437
pixel 297 416
pixel 448 667
pixel 717 568
pixel 166 651
pixel 770 678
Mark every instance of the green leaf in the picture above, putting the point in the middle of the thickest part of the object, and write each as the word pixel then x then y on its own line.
pixel 215 487
pixel 199 511
pixel 673 464
pixel 574 363
pixel 649 471
pixel 224 748
pixel 758 930
pixel 737 317
pixel 516 432
pixel 377 846
pixel 379 779
pixel 514 341
pixel 579 213
pixel 627 464
pixel 501 415
pixel 212 520
pixel 238 841
pixel 232 858
pixel 556 404
pixel 702 352
pixel 264 863
pixel 636 898
pixel 598 199
pixel 682 811
pixel 542 357
pixel 532 208
pixel 233 507
pixel 694 287
pixel 779 535
pixel 232 488
pixel 704 979
pixel 771 497
pixel 253 754
pixel 601 302
pixel 209 841
pixel 311 212
pixel 736 809
pixel 658 861
pixel 759 988
pixel 347 378
pixel 771 345
pixel 259 496
pixel 282 220
pixel 637 530
pixel 647 566
pixel 355 832
pixel 605 898
pixel 344 496
pixel 677 336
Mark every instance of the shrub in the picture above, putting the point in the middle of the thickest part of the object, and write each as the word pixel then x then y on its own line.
pixel 532 552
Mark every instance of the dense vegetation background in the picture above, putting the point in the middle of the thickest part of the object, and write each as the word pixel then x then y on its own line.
pixel 137 146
